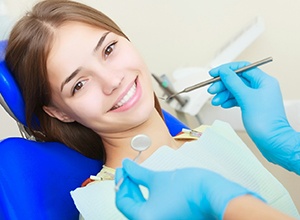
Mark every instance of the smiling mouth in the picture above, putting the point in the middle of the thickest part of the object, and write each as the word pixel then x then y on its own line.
pixel 126 98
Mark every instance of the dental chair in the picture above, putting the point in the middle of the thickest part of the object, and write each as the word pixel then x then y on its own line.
pixel 36 177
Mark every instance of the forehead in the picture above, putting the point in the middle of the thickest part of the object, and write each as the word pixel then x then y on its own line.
pixel 72 37
pixel 71 44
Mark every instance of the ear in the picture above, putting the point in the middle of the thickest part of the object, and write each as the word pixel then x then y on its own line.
pixel 56 113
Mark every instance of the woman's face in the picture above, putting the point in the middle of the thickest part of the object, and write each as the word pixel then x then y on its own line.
pixel 98 79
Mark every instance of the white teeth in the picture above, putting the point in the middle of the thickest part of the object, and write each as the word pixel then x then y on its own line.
pixel 127 97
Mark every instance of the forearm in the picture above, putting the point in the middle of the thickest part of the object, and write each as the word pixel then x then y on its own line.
pixel 280 146
pixel 287 151
pixel 248 207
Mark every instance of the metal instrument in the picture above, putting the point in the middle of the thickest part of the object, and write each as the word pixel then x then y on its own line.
pixel 215 79
pixel 139 143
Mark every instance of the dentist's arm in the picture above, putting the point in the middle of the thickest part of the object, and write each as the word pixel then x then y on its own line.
pixel 189 193
pixel 249 207
pixel 263 114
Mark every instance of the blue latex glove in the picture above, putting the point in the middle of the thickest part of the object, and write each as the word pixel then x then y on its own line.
pixel 263 114
pixel 189 193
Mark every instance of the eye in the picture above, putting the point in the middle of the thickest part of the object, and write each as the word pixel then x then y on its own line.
pixel 78 86
pixel 109 49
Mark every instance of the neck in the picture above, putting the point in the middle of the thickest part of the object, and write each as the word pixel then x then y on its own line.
pixel 118 148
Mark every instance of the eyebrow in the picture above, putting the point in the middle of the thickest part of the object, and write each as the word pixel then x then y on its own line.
pixel 101 41
pixel 69 78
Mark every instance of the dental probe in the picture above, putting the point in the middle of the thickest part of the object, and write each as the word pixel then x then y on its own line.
pixel 215 79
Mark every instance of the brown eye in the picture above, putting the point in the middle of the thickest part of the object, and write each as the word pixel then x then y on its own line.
pixel 78 86
pixel 109 49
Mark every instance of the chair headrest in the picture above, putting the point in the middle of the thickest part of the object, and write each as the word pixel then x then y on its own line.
pixel 10 96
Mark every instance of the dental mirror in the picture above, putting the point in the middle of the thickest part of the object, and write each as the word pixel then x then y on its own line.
pixel 140 143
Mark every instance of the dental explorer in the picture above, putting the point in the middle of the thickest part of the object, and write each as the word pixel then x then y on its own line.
pixel 212 80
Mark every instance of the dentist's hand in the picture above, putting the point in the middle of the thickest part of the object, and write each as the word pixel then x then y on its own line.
pixel 189 193
pixel 263 114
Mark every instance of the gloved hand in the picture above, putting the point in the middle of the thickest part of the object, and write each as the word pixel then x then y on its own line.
pixel 189 193
pixel 263 114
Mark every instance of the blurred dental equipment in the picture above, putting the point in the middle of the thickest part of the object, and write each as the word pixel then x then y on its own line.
pixel 140 143
pixel 204 83
pixel 166 86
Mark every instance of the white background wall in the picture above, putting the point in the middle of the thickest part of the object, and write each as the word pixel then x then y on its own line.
pixel 173 33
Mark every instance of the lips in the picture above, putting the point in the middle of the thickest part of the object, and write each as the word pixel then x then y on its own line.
pixel 126 97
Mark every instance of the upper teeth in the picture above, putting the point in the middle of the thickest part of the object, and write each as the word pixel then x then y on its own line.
pixel 128 96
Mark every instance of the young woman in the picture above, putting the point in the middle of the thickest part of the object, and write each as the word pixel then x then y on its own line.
pixel 84 81
pixel 85 85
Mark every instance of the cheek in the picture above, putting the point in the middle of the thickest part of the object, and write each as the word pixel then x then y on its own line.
pixel 128 56
pixel 87 107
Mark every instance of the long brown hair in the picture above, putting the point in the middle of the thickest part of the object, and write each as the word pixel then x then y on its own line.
pixel 26 56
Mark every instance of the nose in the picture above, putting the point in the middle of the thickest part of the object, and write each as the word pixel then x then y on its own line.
pixel 110 81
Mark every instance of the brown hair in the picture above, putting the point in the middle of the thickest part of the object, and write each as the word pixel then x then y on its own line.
pixel 26 56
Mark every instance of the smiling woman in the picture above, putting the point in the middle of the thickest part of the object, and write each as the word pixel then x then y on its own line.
pixel 60 53
pixel 85 85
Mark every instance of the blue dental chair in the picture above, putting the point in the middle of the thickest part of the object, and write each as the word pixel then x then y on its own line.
pixel 36 177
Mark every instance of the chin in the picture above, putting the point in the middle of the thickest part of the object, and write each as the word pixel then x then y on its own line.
pixel 144 113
